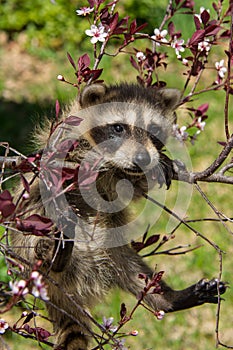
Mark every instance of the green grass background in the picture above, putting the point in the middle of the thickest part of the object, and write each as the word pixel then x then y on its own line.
pixel 51 32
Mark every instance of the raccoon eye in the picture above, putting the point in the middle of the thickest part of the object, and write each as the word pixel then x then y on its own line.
pixel 118 128
pixel 157 136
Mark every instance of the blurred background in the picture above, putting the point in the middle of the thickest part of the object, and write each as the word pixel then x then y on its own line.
pixel 34 38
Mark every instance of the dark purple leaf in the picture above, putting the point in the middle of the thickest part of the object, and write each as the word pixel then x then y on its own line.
pixel 137 246
pixel 226 34
pixel 203 108
pixel 7 207
pixel 121 26
pixel 151 240
pixel 83 62
pixel 197 37
pixel 57 109
pixel 25 166
pixel 25 183
pixel 113 22
pixel 197 23
pixel 171 28
pixel 123 310
pixel 91 3
pixel 92 74
pixel 156 278
pixel 71 60
pixel 134 63
pixel 73 120
pixel 205 16
pixel 222 143
pixel 70 174
pixel 86 175
pixel 188 4
pixel 215 7
pixel 64 147
pixel 141 27
pixel 229 10
pixel 29 317
pixel 36 224
pixel 212 30
pixel 40 333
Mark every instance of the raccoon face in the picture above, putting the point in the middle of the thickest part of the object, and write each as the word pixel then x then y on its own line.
pixel 128 125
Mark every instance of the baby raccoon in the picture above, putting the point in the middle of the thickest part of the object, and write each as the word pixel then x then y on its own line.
pixel 122 134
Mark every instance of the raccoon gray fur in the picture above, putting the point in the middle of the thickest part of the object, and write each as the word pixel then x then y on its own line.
pixel 127 127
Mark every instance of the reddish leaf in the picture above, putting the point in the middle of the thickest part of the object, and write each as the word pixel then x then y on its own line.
pixel 114 21
pixel 121 26
pixel 151 240
pixel 203 108
pixel 134 63
pixel 25 166
pixel 57 109
pixel 91 3
pixel 197 37
pixel 92 74
pixel 71 60
pixel 7 207
pixel 40 333
pixel 205 16
pixel 212 30
pixel 69 174
pixel 156 278
pixel 83 62
pixel 215 7
pixel 86 175
pixel 197 23
pixel 25 183
pixel 29 317
pixel 188 4
pixel 123 310
pixel 73 120
pixel 36 224
pixel 137 246
pixel 222 143
pixel 64 147
pixel 171 28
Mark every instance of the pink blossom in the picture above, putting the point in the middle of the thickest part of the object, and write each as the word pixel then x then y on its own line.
pixel 83 11
pixel 18 287
pixel 140 56
pixel 160 314
pixel 185 62
pixel 180 133
pixel 200 125
pixel 134 333
pixel 108 324
pixel 97 33
pixel 3 326
pixel 177 44
pixel 204 46
pixel 39 289
pixel 221 69
pixel 60 77
pixel 160 36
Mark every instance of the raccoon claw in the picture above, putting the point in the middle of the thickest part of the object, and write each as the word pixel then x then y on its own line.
pixel 207 291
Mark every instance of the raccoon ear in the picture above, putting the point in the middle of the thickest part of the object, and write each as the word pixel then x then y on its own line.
pixel 92 94
pixel 170 98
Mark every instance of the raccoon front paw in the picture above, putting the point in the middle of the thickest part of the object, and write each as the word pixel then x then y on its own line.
pixel 44 250
pixel 207 290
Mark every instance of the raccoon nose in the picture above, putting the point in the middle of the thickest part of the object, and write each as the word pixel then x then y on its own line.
pixel 142 158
